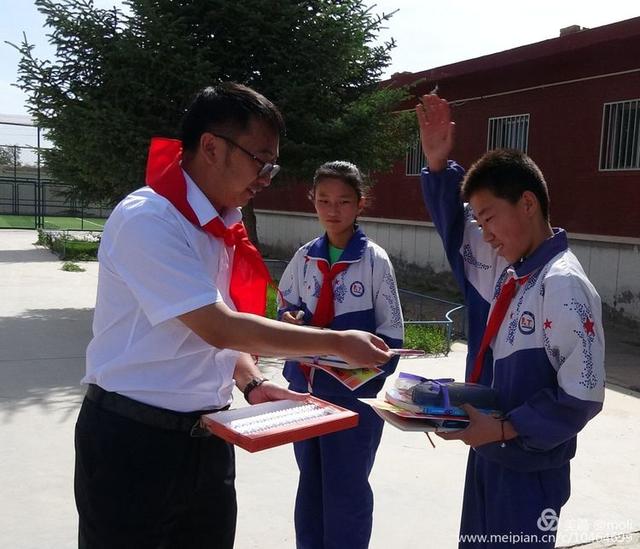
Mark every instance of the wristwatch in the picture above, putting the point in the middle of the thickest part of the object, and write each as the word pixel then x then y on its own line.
pixel 255 382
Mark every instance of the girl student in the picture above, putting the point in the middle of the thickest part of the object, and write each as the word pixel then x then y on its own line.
pixel 340 280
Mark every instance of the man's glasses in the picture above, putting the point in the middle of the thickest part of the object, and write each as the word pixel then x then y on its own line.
pixel 266 168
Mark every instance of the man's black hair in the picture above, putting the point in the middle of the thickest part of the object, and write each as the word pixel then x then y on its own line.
pixel 227 109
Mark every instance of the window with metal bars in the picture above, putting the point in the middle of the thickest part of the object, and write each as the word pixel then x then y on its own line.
pixel 508 132
pixel 620 142
pixel 415 159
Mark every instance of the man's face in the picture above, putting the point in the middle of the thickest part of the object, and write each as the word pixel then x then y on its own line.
pixel 506 227
pixel 240 178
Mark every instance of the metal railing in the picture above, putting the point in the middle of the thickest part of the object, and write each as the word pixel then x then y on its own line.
pixel 47 204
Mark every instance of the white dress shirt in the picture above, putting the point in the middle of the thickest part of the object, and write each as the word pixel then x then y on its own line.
pixel 154 266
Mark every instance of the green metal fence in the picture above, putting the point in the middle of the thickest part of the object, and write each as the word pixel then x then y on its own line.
pixel 27 203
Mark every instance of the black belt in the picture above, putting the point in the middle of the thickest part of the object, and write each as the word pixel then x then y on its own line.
pixel 187 422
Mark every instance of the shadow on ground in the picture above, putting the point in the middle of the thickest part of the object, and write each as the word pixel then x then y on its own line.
pixel 34 255
pixel 43 360
pixel 622 357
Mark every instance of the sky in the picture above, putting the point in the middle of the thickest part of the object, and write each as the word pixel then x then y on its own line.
pixel 428 34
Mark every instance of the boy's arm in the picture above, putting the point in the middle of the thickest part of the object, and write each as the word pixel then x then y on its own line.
pixel 574 345
pixel 441 180
pixel 543 426
pixel 472 260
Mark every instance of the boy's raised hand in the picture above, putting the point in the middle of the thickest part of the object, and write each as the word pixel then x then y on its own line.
pixel 437 131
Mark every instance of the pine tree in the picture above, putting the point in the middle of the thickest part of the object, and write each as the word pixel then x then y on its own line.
pixel 120 78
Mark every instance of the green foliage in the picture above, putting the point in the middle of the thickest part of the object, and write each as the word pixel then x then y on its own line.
pixel 72 267
pixel 79 250
pixel 431 339
pixel 10 155
pixel 272 304
pixel 43 238
pixel 120 78
pixel 68 247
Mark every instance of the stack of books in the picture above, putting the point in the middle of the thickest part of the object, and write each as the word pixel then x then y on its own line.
pixel 415 403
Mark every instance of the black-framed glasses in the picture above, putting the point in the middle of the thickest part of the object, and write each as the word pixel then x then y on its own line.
pixel 266 168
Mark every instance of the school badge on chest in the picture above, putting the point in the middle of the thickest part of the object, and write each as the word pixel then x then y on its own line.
pixel 357 289
pixel 527 323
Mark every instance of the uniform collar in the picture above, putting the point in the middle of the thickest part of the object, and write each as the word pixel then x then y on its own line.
pixel 202 207
pixel 352 253
pixel 551 247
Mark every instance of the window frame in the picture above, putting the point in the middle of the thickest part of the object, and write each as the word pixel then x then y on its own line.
pixel 524 116
pixel 414 156
pixel 611 158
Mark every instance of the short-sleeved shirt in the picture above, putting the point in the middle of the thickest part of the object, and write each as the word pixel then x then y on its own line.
pixel 154 266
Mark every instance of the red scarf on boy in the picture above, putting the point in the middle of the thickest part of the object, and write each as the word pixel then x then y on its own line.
pixel 249 275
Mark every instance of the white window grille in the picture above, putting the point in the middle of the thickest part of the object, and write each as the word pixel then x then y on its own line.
pixel 620 143
pixel 509 132
pixel 415 159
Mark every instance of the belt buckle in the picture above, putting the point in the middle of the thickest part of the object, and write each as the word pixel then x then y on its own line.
pixel 198 430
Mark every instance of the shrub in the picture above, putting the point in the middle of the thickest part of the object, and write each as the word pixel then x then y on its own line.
pixel 432 339
pixel 68 247
pixel 72 267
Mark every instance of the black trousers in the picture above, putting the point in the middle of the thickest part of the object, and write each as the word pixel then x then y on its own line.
pixel 143 487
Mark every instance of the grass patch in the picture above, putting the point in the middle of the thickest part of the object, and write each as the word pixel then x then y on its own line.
pixel 431 339
pixel 272 303
pixel 71 267
pixel 56 223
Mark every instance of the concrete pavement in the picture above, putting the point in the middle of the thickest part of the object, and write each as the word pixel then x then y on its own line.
pixel 45 322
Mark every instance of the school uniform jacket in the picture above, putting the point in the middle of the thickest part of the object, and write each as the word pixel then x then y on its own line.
pixel 547 359
pixel 365 298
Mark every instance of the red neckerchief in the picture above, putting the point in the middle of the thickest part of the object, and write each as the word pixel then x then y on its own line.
pixel 324 313
pixel 507 293
pixel 249 275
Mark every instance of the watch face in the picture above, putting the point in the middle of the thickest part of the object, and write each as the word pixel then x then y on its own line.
pixel 255 382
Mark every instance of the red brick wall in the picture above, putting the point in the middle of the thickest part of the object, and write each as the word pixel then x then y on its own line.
pixel 565 127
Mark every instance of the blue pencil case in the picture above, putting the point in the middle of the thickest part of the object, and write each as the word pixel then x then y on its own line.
pixel 443 396
pixel 436 393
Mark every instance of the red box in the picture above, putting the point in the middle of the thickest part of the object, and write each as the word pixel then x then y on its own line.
pixel 270 424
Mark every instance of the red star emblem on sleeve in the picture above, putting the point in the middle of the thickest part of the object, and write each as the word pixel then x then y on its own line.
pixel 547 324
pixel 588 327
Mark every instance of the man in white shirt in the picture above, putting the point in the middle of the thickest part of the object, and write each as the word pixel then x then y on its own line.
pixel 173 330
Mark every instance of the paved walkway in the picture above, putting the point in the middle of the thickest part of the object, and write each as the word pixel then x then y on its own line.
pixel 45 318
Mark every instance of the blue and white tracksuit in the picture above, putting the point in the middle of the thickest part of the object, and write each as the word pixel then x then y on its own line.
pixel 546 361
pixel 334 503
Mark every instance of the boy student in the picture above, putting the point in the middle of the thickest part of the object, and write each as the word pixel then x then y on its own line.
pixel 535 335
pixel 173 327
